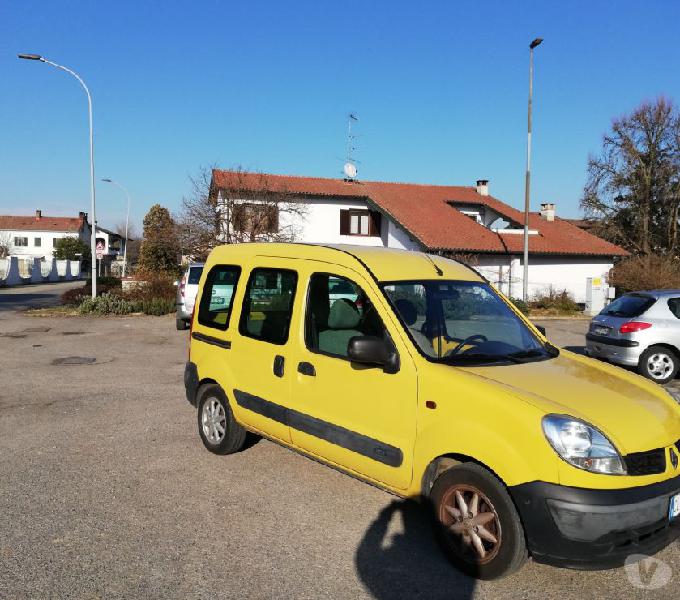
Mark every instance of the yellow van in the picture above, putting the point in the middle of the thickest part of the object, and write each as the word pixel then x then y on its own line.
pixel 411 372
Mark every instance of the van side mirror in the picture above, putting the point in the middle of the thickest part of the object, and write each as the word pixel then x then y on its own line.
pixel 372 350
pixel 540 328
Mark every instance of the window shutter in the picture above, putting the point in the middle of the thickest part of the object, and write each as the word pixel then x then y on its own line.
pixel 238 217
pixel 374 223
pixel 344 222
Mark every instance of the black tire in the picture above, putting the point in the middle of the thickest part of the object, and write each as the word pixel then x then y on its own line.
pixel 181 324
pixel 234 436
pixel 658 363
pixel 509 552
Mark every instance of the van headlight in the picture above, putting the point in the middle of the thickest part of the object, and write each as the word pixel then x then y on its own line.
pixel 582 445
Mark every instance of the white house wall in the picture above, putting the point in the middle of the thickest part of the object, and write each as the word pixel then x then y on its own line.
pixel 47 242
pixel 321 225
pixel 559 272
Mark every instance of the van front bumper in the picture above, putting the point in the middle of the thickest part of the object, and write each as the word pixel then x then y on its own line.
pixel 595 529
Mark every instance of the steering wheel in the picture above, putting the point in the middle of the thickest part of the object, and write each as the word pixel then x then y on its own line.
pixel 473 339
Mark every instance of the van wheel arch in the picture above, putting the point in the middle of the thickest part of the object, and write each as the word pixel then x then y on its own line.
pixel 444 462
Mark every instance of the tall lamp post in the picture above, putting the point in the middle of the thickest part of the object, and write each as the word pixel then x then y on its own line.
pixel 527 179
pixel 127 221
pixel 93 236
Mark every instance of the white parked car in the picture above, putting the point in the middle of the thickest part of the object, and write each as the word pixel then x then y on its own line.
pixel 187 288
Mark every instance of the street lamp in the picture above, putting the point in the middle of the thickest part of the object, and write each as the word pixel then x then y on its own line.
pixel 527 180
pixel 93 236
pixel 127 220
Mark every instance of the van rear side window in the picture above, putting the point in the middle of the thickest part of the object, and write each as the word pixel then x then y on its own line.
pixel 218 296
pixel 268 305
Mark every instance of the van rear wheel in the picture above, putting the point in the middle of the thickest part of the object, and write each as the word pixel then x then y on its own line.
pixel 658 363
pixel 476 522
pixel 219 431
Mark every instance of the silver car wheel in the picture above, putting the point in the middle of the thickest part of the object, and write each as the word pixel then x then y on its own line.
pixel 660 365
pixel 214 421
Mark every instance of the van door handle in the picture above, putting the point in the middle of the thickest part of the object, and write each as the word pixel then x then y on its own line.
pixel 279 362
pixel 306 368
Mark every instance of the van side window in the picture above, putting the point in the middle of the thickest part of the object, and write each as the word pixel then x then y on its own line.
pixel 218 296
pixel 674 305
pixel 337 310
pixel 268 305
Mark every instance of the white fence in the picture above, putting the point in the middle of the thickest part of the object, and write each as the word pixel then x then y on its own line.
pixel 16 271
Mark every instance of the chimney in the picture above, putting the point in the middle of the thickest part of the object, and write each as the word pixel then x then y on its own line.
pixel 38 214
pixel 548 211
pixel 483 187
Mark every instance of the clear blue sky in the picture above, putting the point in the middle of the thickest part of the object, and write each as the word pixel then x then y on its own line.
pixel 440 89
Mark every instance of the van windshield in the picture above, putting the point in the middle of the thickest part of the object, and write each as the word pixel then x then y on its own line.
pixel 464 323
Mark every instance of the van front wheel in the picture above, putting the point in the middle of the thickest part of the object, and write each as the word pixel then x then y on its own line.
pixel 476 522
pixel 219 431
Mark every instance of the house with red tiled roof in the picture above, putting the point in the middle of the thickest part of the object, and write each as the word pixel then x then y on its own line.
pixel 35 236
pixel 453 220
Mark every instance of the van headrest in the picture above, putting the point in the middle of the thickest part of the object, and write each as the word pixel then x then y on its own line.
pixel 343 315
pixel 407 311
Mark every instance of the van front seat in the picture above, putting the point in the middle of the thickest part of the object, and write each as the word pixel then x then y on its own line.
pixel 343 318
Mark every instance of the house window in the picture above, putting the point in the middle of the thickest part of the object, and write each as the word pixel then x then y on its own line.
pixel 360 222
pixel 37 242
pixel 21 241
pixel 255 219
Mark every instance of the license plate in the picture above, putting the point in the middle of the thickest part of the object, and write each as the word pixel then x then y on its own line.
pixel 674 507
pixel 601 330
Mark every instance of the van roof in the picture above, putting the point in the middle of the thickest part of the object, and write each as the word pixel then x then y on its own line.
pixel 386 264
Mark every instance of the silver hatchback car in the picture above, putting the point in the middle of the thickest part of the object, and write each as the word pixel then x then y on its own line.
pixel 642 330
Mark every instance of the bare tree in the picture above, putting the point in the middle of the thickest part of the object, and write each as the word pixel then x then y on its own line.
pixel 240 207
pixel 6 244
pixel 633 187
pixel 134 241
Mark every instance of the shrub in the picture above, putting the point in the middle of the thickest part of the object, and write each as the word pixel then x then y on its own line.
pixel 104 285
pixel 157 306
pixel 557 301
pixel 75 296
pixel 105 282
pixel 152 285
pixel 107 304
pixel 645 273
pixel 520 305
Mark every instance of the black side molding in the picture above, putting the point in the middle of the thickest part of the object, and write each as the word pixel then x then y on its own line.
pixel 209 339
pixel 345 438
pixel 601 339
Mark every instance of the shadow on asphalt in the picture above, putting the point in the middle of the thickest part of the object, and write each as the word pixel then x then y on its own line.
pixel 576 349
pixel 19 298
pixel 408 564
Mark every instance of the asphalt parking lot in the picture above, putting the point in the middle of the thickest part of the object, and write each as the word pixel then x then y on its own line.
pixel 107 492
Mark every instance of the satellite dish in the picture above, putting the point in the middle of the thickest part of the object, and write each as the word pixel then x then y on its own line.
pixel 350 170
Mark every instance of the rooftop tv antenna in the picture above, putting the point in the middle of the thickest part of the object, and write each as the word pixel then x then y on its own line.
pixel 350 168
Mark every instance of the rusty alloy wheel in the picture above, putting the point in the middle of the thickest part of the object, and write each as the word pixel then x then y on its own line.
pixel 473 528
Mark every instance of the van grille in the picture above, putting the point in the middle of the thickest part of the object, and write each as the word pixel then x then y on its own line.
pixel 651 462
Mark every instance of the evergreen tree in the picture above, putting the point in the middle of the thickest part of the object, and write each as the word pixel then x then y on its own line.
pixel 160 250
